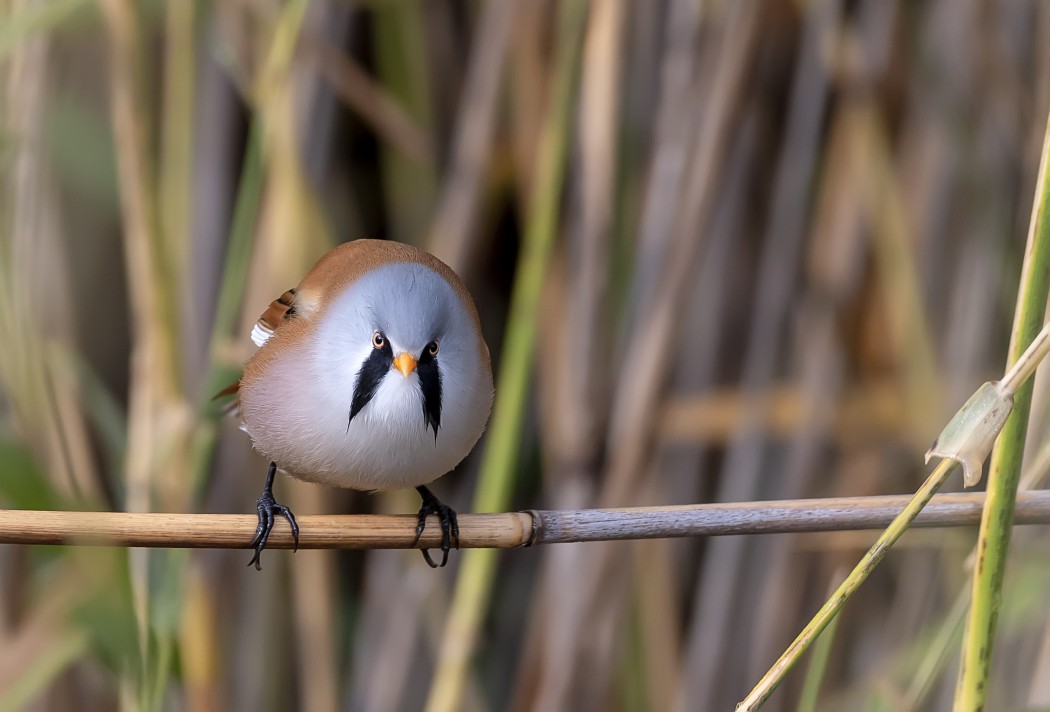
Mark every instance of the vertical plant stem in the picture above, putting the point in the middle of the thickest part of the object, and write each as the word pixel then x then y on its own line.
pixel 155 417
pixel 1005 469
pixel 402 61
pixel 175 205
pixel 474 588
pixel 454 229
pixel 23 22
pixel 242 230
pixel 228 304
pixel 176 165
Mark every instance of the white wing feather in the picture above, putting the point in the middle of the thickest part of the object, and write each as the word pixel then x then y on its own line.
pixel 260 334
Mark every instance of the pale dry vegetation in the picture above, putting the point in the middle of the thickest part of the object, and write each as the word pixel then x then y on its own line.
pixel 755 251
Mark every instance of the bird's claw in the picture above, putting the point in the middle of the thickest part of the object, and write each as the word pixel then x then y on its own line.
pixel 268 511
pixel 449 526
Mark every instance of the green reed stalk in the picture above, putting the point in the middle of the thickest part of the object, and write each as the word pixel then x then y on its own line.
pixel 1005 468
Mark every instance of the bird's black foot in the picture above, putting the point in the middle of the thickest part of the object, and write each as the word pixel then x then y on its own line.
pixel 449 525
pixel 268 511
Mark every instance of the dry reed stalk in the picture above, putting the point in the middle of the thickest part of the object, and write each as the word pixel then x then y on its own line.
pixel 646 357
pixel 598 124
pixel 36 315
pixel 809 340
pixel 895 251
pixel 661 567
pixel 685 162
pixel 529 86
pixel 876 408
pixel 402 62
pixel 834 258
pixel 196 632
pixel 729 220
pixel 175 166
pixel 154 388
pixel 667 257
pixel 159 419
pixel 957 140
pixel 368 98
pixel 454 228
pixel 502 531
pixel 41 401
pixel 658 611
pixel 718 598
pixel 397 604
pixel 574 329
pixel 199 639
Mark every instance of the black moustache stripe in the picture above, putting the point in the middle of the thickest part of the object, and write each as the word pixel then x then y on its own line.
pixel 430 382
pixel 375 367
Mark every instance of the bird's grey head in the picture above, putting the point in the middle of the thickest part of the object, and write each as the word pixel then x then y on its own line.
pixel 399 330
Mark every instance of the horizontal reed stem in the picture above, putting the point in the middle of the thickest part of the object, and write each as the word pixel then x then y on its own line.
pixel 503 531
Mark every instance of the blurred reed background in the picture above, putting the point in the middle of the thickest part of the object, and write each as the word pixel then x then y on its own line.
pixel 776 245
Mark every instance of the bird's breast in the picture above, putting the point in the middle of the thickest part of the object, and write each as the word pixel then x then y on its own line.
pixel 299 416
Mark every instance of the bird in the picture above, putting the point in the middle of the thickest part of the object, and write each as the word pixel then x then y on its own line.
pixel 371 374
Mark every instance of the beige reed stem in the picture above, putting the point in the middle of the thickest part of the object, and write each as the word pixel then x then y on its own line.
pixel 506 530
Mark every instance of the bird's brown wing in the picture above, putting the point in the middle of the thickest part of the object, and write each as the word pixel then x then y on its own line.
pixel 280 310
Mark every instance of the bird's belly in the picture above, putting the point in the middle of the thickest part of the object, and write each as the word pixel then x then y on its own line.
pixel 387 445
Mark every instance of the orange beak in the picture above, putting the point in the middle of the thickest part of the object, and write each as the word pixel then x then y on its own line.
pixel 405 363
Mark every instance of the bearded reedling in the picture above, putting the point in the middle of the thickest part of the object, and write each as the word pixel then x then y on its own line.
pixel 371 374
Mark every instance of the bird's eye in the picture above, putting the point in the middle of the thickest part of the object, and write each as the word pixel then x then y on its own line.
pixel 378 340
pixel 432 348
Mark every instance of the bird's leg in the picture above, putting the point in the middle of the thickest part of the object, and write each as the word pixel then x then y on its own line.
pixel 449 525
pixel 268 511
